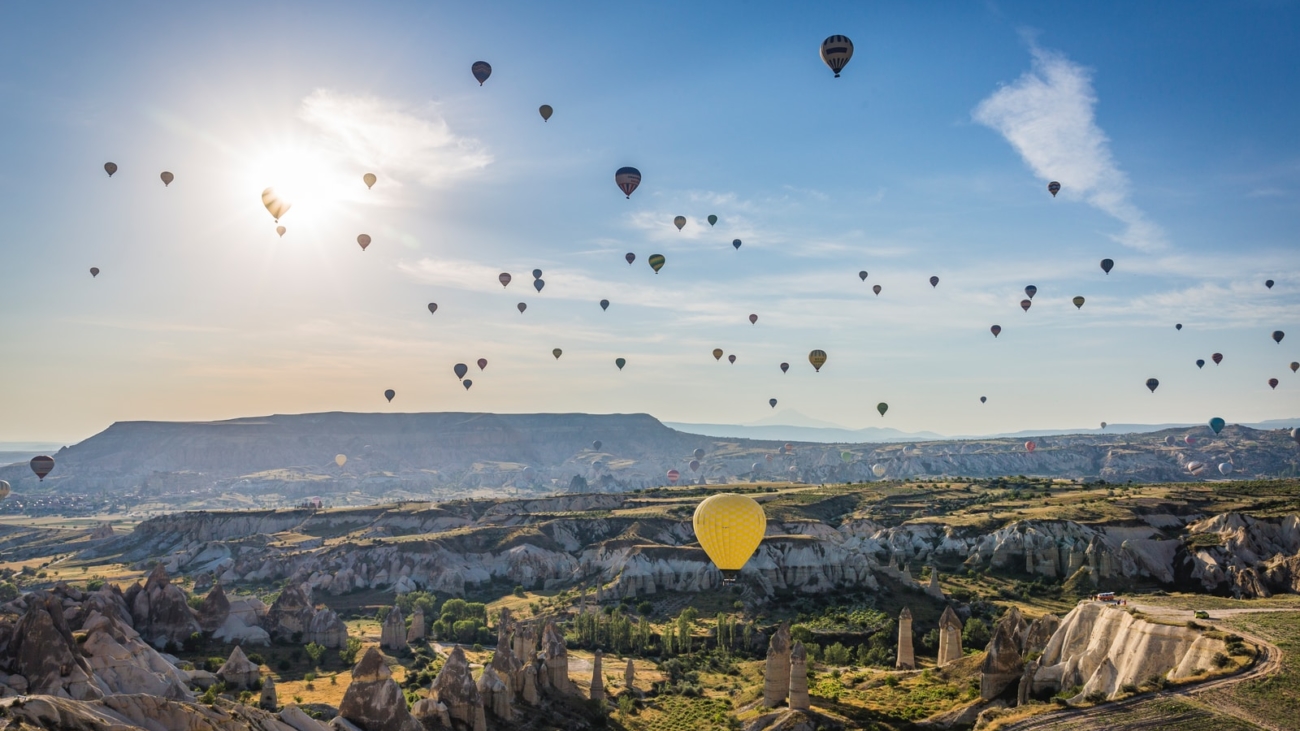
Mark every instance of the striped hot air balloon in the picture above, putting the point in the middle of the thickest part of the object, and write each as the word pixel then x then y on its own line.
pixel 42 466
pixel 836 52
pixel 1053 188
pixel 481 70
pixel 656 262
pixel 627 180
pixel 818 359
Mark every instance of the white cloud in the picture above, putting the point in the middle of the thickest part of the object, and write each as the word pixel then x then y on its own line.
pixel 1048 116
pixel 391 139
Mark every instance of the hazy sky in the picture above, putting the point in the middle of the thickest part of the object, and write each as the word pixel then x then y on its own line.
pixel 1172 128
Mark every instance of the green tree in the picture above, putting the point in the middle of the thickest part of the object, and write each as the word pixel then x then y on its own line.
pixel 975 633
pixel 348 653
pixel 315 652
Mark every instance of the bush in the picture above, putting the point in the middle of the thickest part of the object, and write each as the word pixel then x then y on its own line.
pixel 256 658
pixel 1194 625
pixel 1129 688
pixel 519 591
pixel 348 653
pixel 93 585
pixel 645 608
pixel 315 652
pixel 8 591
pixel 284 665
pixel 1221 660
pixel 1095 697
pixel 214 663
pixel 975 633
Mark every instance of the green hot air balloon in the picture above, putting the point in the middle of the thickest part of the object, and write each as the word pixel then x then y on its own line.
pixel 657 262
pixel 882 407
pixel 1217 424
pixel 846 457
pixel 1078 302
pixel 712 219
pixel 620 362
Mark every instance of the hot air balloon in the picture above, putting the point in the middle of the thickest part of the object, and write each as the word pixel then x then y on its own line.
pixel 995 330
pixel 735 243
pixel 94 272
pixel 878 470
pixel 1030 291
pixel 4 489
pixel 1217 358
pixel 818 359
pixel 769 458
pixel 934 281
pixel 694 465
pixel 538 284
pixel 1196 468
pixel 836 52
pixel 1024 305
pixel 1225 468
pixel 461 369
pixel 340 459
pixel 389 394
pixel 620 362
pixel 275 205
pixel 42 466
pixel 656 262
pixel 786 366
pixel 846 457
pixel 1217 424
pixel 729 528
pixel 717 353
pixel 504 278
pixel 771 402
pixel 1031 446
pixel 876 289
pixel 546 112
pixel 369 179
pixel 557 353
pixel 732 358
pixel 1179 326
pixel 110 168
pixel 1277 336
pixel 364 241
pixel 433 307
pixel 698 453
pixel 467 383
pixel 1268 283
pixel 627 180
pixel 1189 440
pixel 596 445
pixel 862 275
pixel 755 467
pixel 630 257
pixel 1107 265
pixel 1295 366
pixel 482 363
pixel 537 274
pixel 673 475
pixel 280 230
pixel 882 407
pixel 1103 425
pixel 1078 302
pixel 787 448
pixel 1170 441
pixel 712 219
pixel 604 304
pixel 481 70
pixel 521 307
pixel 680 222
pixel 167 178
pixel 984 399
pixel 1272 383
pixel 753 319
pixel 1200 363
pixel 1053 188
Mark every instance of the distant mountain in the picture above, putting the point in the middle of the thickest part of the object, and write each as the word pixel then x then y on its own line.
pixel 789 433
pixel 790 417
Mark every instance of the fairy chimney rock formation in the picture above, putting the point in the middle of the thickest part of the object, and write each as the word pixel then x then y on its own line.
pixel 933 588
pixel 776 675
pixel 799 678
pixel 525 643
pixel 949 637
pixel 291 613
pixel 373 699
pixel 629 675
pixel 417 631
pixel 530 694
pixel 504 661
pixel 555 658
pixel 597 679
pixel 393 634
pixel 906 656
pixel 495 693
pixel 239 672
pixel 327 630
pixel 1003 664
pixel 214 610
pixel 268 700
pixel 455 688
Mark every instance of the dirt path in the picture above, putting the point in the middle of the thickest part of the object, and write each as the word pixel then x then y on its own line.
pixel 1267 663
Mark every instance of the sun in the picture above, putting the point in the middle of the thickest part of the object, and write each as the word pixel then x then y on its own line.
pixel 314 182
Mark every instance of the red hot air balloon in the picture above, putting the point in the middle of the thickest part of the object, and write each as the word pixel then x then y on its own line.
pixel 504 278
pixel 934 281
pixel 1053 188
pixel 627 180
pixel 1189 440
pixel 482 363
pixel 1031 447
pixel 481 70
pixel 995 330
pixel 630 257
pixel 1024 305
pixel 753 319
pixel 460 369
pixel 1272 383
pixel 1107 265
pixel 786 366
pixel 1217 358
pixel 42 466
pixel 673 476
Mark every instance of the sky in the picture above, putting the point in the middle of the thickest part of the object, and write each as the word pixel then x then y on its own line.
pixel 1171 128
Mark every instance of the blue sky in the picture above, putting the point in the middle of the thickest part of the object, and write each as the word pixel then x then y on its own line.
pixel 1171 127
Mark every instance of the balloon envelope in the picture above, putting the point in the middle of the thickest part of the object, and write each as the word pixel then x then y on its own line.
pixel 1295 366
pixel 1107 265
pixel 656 262
pixel 1152 384
pixel 1103 425
pixel 878 470
pixel 729 528
pixel 1295 434
pixel 4 489
pixel 983 399
pixel 521 307
pixel 882 407
pixel 280 230
pixel 481 70
pixel 627 180
pixel 340 459
pixel 679 222
pixel 1030 291
pixel 433 307
pixel 1272 383
pixel 557 353
pixel 694 465
pixel 753 319
pixel 167 178
pixel 1225 468
pixel 546 112
pixel 537 274
pixel 673 475
pixel 1030 446
pixel 620 362
pixel 467 383
pixel 836 51
pixel 846 457
pixel 630 257
pixel 504 278
pixel 596 445
pixel 731 358
pixel 110 168
pixel 538 284
pixel 1200 363
pixel 717 353
pixel 1179 326
pixel 604 304
pixel 364 241
pixel 1189 440
pixel 698 453
pixel 275 205
pixel 42 466
pixel 1268 283
pixel 1278 335
pixel 818 359
pixel 786 366
pixel 461 369
pixel 1078 302
pixel 735 243
pixel 934 281
pixel 94 272
pixel 995 330
pixel 862 275
pixel 1024 305
pixel 1053 188
pixel 369 179
pixel 482 363
pixel 771 402
pixel 1217 358
pixel 389 394
pixel 1217 424
pixel 712 219
pixel 876 289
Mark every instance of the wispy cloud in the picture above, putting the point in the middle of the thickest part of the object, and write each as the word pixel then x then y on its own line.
pixel 1048 116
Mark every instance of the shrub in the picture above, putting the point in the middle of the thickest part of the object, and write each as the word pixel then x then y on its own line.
pixel 214 663
pixel 93 585
pixel 1095 697
pixel 315 652
pixel 256 658
pixel 645 608
pixel 1221 660
pixel 1129 688
pixel 348 653
pixel 1194 625
pixel 975 633
pixel 284 664
pixel 519 591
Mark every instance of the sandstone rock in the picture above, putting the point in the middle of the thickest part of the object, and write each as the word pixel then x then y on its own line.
pixel 238 672
pixel 455 688
pixel 294 717
pixel 327 630
pixel 906 658
pixel 629 675
pixel 1039 633
pixel 555 659
pixel 798 678
pixel 268 700
pixel 291 614
pixel 530 694
pixel 393 635
pixel 416 633
pixel 124 663
pixel 495 694
pixel 161 611
pixel 136 712
pixel 597 679
pixel 950 626
pixel 214 611
pixel 1003 664
pixel 373 700
pixel 44 652
pixel 776 675
pixel 504 662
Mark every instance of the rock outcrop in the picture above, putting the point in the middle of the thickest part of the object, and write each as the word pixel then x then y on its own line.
pixel 455 688
pixel 268 700
pixel 327 630
pixel 416 633
pixel 214 611
pixel 495 694
pixel 555 659
pixel 629 676
pixel 45 653
pixel 290 614
pixel 776 673
pixel 950 626
pixel 161 611
pixel 1003 663
pixel 123 663
pixel 238 672
pixel 597 679
pixel 799 678
pixel 373 700
pixel 393 634
pixel 906 658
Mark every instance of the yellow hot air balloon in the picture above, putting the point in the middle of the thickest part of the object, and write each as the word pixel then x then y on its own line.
pixel 729 527
pixel 369 179
pixel 275 205
pixel 818 359
pixel 340 459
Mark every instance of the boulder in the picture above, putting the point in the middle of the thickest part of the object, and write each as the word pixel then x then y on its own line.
pixel 373 700
pixel 393 634
pixel 291 614
pixel 214 610
pixel 238 672
pixel 327 630
pixel 455 688
pixel 776 677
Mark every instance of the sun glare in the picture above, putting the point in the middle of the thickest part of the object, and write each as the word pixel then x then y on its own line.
pixel 311 179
